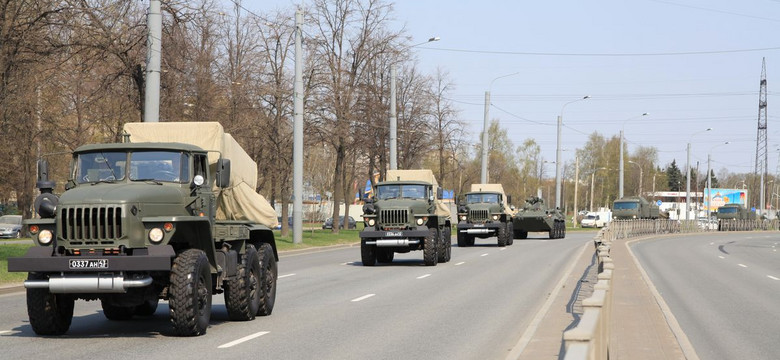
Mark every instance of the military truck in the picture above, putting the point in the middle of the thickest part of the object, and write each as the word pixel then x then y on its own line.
pixel 634 207
pixel 485 212
pixel 144 221
pixel 534 216
pixel 729 217
pixel 405 214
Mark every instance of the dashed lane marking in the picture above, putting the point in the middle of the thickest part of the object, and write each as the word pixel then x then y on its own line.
pixel 363 297
pixel 243 339
pixel 721 256
pixel 284 276
pixel 484 254
pixel 769 276
pixel 5 332
pixel 460 263
pixel 423 276
pixel 742 265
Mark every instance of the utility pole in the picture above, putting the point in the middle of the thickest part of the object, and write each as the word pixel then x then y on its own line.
pixel 761 139
pixel 153 56
pixel 298 133
pixel 393 121
pixel 483 178
pixel 576 183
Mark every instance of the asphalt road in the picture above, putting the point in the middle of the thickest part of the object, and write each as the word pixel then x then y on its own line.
pixel 329 306
pixel 723 288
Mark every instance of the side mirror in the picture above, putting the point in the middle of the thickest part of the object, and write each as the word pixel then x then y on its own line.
pixel 509 199
pixel 439 193
pixel 223 173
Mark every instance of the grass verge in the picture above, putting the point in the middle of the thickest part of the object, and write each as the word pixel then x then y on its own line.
pixel 11 250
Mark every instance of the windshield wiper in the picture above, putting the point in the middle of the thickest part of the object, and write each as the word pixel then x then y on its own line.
pixel 104 181
pixel 158 182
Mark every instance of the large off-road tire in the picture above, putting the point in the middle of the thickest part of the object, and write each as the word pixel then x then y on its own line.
pixel 443 245
pixel 501 235
pixel 148 308
pixel 368 254
pixel 510 234
pixel 462 239
pixel 563 230
pixel 384 255
pixel 470 239
pixel 448 242
pixel 189 296
pixel 242 294
pixel 117 313
pixel 50 314
pixel 431 248
pixel 269 272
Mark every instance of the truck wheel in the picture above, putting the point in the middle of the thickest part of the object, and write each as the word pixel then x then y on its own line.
pixel 563 230
pixel 147 308
pixel 430 249
pixel 443 245
pixel 368 254
pixel 190 293
pixel 50 314
pixel 462 240
pixel 242 294
pixel 268 274
pixel 117 313
pixel 384 256
pixel 510 234
pixel 470 240
pixel 501 235
pixel 448 241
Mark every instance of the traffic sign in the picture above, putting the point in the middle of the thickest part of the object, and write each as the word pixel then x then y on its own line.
pixel 658 202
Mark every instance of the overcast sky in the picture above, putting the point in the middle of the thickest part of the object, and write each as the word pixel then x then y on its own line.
pixel 690 64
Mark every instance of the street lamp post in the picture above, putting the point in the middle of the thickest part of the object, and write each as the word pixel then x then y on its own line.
pixel 688 175
pixel 483 177
pixel 558 163
pixel 640 176
pixel 393 118
pixel 622 146
pixel 592 178
pixel 709 179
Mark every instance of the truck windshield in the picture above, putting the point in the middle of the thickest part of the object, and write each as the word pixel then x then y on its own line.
pixel 626 205
pixel 169 166
pixel 385 192
pixel 100 166
pixel 482 198
pixel 728 210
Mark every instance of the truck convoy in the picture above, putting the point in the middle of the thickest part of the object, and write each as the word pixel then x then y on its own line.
pixel 534 216
pixel 634 207
pixel 147 220
pixel 406 213
pixel 484 212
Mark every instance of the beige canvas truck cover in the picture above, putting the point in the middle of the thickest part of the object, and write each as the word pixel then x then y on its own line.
pixel 493 188
pixel 424 175
pixel 240 201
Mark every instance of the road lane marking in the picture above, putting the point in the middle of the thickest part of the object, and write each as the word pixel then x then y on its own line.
pixel 502 249
pixel 5 332
pixel 349 263
pixel 460 263
pixel 423 276
pixel 712 243
pixel 742 265
pixel 485 254
pixel 363 297
pixel 769 276
pixel 243 339
pixel 721 256
pixel 284 276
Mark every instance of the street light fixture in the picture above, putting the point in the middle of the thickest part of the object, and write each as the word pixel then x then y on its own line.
pixel 639 193
pixel 688 175
pixel 393 118
pixel 558 165
pixel 622 145
pixel 483 177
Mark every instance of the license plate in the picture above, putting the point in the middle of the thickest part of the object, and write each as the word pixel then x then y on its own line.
pixel 393 233
pixel 88 263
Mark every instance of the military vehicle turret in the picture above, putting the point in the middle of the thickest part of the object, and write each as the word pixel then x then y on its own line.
pixel 484 212
pixel 145 220
pixel 405 214
pixel 534 216
pixel 634 207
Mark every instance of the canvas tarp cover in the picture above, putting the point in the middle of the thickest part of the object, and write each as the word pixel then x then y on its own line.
pixel 493 188
pixel 237 202
pixel 420 175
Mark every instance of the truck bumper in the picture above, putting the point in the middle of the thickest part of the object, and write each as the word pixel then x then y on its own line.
pixel 393 238
pixel 476 229
pixel 89 283
pixel 40 259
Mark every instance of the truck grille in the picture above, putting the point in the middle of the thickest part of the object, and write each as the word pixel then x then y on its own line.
pixel 478 215
pixel 394 217
pixel 91 224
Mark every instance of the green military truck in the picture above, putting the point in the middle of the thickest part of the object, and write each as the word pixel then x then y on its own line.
pixel 634 207
pixel 485 212
pixel 734 217
pixel 406 213
pixel 535 216
pixel 144 221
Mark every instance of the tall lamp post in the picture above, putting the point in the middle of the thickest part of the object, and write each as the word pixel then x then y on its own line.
pixel 558 163
pixel 639 193
pixel 393 119
pixel 709 179
pixel 688 175
pixel 622 146
pixel 592 178
pixel 483 177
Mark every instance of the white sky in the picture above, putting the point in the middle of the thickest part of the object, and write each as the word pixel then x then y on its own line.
pixel 683 94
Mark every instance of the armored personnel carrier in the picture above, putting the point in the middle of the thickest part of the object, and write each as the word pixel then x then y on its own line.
pixel 534 216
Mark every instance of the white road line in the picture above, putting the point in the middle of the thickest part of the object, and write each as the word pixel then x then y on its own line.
pixel 243 339
pixel 712 243
pixel 502 249
pixel 284 276
pixel 721 256
pixel 423 276
pixel 5 332
pixel 769 276
pixel 484 254
pixel 742 265
pixel 363 297
pixel 460 263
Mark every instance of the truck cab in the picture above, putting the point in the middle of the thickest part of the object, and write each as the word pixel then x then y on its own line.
pixel 481 214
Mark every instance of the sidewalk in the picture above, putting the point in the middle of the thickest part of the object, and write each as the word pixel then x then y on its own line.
pixel 638 326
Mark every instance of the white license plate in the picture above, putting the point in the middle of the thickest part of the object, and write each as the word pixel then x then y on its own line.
pixel 88 263
pixel 394 233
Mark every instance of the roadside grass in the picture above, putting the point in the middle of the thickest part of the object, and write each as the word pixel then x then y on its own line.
pixel 9 249
pixel 317 237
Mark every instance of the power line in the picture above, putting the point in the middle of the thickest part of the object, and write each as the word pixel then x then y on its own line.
pixel 493 52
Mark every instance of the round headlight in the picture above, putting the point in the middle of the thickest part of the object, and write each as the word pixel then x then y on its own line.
pixel 420 221
pixel 371 222
pixel 463 218
pixel 156 235
pixel 495 217
pixel 45 237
